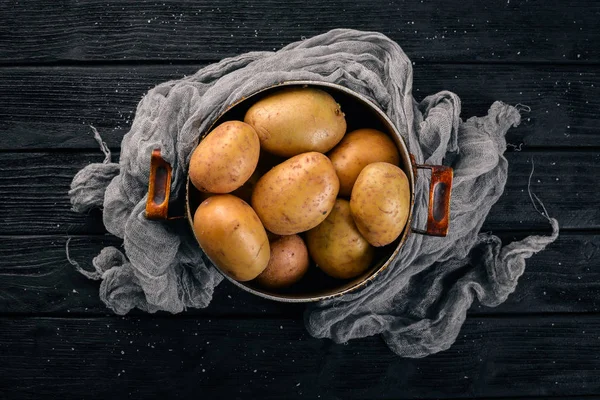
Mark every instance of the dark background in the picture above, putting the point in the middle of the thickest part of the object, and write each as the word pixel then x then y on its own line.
pixel 67 64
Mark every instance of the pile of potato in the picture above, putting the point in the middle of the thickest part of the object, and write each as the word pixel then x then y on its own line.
pixel 288 184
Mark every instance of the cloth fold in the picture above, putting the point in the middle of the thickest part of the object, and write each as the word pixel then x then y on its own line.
pixel 419 303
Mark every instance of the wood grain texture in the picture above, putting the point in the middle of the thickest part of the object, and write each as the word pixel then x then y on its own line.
pixel 34 189
pixel 36 278
pixel 208 358
pixel 499 30
pixel 52 107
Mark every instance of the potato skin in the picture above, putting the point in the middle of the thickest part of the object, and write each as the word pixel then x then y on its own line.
pixel 225 159
pixel 287 265
pixel 358 149
pixel 337 246
pixel 380 202
pixel 297 120
pixel 232 236
pixel 296 195
pixel 244 192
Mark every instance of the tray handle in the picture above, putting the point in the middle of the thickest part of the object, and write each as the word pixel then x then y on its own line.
pixel 159 187
pixel 438 210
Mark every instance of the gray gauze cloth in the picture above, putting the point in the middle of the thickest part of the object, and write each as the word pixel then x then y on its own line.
pixel 420 302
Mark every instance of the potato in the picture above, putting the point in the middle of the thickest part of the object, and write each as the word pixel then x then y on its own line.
pixel 337 246
pixel 296 195
pixel 244 192
pixel 225 158
pixel 297 120
pixel 380 202
pixel 358 149
pixel 287 265
pixel 231 235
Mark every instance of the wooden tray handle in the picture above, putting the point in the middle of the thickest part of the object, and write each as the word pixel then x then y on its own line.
pixel 159 187
pixel 438 211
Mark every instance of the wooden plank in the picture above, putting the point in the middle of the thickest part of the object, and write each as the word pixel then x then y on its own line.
pixel 53 107
pixel 561 182
pixel 562 99
pixel 34 189
pixel 36 278
pixel 554 278
pixel 498 30
pixel 274 359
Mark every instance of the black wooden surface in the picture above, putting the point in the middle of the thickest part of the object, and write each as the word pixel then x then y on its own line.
pixel 67 64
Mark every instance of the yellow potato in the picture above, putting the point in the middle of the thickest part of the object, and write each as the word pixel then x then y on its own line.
pixel 358 149
pixel 244 192
pixel 337 246
pixel 287 265
pixel 231 235
pixel 380 202
pixel 296 195
pixel 225 158
pixel 297 120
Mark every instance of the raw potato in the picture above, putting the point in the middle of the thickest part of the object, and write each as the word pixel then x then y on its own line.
pixel 225 158
pixel 231 235
pixel 244 192
pixel 337 246
pixel 287 265
pixel 358 149
pixel 296 120
pixel 380 202
pixel 296 195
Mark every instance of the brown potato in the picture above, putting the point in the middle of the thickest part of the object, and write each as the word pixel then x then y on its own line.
pixel 358 149
pixel 380 202
pixel 244 192
pixel 225 158
pixel 231 235
pixel 337 246
pixel 297 120
pixel 287 265
pixel 296 195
